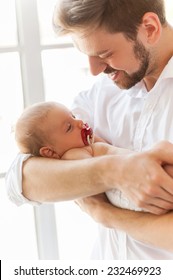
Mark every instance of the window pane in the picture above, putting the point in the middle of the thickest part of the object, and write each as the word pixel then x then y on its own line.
pixel 65 73
pixel 17 237
pixel 169 10
pixel 8 27
pixel 11 105
pixel 45 13
pixel 76 231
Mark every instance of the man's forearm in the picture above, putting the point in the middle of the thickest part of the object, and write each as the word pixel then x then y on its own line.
pixel 49 180
pixel 145 227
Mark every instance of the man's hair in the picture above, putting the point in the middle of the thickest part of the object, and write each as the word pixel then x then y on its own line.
pixel 29 130
pixel 114 15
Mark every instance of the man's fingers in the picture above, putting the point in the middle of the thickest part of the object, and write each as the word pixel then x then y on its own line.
pixel 162 206
pixel 154 209
pixel 161 186
pixel 165 151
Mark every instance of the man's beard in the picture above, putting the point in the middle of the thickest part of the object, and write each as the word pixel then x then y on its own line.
pixel 127 81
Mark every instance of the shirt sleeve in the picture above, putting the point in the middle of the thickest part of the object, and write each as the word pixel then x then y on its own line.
pixel 13 181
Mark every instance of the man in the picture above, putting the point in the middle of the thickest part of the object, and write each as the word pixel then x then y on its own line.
pixel 131 42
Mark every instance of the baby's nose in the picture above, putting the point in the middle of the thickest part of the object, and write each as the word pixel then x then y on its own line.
pixel 80 124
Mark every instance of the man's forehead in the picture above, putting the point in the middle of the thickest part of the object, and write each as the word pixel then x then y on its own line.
pixel 98 42
pixel 91 45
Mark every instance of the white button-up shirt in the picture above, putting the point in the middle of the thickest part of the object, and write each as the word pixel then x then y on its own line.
pixel 134 119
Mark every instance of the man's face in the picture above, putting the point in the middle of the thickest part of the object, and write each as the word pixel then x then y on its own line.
pixel 125 62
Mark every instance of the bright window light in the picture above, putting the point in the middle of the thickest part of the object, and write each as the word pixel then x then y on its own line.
pixel 11 105
pixel 18 239
pixel 66 74
pixel 8 26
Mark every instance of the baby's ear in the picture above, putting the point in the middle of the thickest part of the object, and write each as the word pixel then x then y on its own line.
pixel 48 152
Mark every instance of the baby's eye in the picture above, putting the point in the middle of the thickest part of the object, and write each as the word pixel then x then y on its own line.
pixel 69 126
pixel 73 116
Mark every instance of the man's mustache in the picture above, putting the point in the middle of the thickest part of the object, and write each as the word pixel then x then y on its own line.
pixel 109 70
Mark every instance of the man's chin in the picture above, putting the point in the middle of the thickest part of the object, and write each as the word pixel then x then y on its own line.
pixel 126 84
pixel 123 85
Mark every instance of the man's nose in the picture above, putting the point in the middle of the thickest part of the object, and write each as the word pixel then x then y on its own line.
pixel 97 65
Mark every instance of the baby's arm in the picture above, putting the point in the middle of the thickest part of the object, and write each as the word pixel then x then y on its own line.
pixel 78 153
pixel 100 149
pixel 95 150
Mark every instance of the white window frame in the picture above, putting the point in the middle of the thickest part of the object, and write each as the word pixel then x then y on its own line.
pixel 33 91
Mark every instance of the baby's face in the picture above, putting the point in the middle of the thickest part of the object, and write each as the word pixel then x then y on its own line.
pixel 64 131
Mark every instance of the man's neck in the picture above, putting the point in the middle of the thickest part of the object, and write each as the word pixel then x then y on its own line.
pixel 164 52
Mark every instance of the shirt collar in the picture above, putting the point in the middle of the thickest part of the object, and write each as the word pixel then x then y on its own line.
pixel 139 90
pixel 167 71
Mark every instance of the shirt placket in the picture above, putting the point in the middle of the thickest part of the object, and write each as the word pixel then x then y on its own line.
pixel 146 113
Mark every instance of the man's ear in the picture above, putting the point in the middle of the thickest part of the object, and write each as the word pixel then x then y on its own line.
pixel 152 27
pixel 48 152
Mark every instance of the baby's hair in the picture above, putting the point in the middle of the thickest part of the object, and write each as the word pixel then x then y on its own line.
pixel 29 129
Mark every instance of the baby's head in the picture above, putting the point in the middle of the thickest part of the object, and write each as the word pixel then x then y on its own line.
pixel 30 129
pixel 49 129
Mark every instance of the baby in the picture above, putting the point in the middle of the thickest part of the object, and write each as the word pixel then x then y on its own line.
pixel 49 129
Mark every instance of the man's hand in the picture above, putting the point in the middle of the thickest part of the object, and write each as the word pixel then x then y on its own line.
pixel 95 206
pixel 146 178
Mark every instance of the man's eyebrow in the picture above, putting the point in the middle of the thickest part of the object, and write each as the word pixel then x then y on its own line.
pixel 92 54
pixel 102 52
